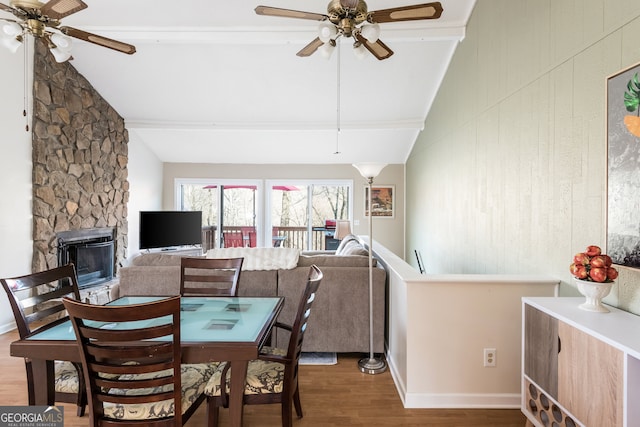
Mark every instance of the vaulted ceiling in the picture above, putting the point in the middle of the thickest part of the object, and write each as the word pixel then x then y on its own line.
pixel 213 82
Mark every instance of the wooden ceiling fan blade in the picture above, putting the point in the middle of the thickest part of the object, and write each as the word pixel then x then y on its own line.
pixel 377 49
pixel 310 49
pixel 288 13
pixel 99 40
pixel 58 9
pixel 407 13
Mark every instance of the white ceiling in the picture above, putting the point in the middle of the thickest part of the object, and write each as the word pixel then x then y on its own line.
pixel 213 82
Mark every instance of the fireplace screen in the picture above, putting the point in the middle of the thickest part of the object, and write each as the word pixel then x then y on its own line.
pixel 92 253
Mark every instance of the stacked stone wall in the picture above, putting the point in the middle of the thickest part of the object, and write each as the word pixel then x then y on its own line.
pixel 80 158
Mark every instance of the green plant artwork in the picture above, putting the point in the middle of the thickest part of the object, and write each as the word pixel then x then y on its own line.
pixel 631 103
pixel 632 95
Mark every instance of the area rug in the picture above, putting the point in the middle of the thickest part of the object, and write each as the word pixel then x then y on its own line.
pixel 318 358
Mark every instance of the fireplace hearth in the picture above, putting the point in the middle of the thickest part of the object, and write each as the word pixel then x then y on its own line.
pixel 91 251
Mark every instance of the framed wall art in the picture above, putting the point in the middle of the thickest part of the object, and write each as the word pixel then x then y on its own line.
pixel 383 201
pixel 623 169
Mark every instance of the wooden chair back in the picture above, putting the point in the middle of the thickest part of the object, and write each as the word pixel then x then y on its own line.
pixel 36 303
pixel 233 239
pixel 294 349
pixel 130 363
pixel 36 298
pixel 210 276
pixel 277 388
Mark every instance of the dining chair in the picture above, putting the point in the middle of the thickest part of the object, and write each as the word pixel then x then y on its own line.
pixel 276 239
pixel 233 239
pixel 249 235
pixel 210 276
pixel 131 357
pixel 35 302
pixel 273 377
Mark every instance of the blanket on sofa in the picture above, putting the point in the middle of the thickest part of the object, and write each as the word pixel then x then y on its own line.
pixel 260 258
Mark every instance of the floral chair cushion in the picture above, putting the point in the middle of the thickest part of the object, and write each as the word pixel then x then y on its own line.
pixel 66 377
pixel 263 377
pixel 194 379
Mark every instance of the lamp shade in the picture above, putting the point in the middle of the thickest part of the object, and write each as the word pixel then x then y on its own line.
pixel 343 228
pixel 327 31
pixel 327 49
pixel 60 55
pixel 369 170
pixel 11 43
pixel 10 35
pixel 61 41
pixel 371 32
pixel 359 51
pixel 10 29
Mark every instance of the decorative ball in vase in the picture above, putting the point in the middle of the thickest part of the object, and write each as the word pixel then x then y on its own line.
pixel 594 277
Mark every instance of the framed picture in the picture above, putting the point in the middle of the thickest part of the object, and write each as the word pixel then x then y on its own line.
pixel 623 169
pixel 383 201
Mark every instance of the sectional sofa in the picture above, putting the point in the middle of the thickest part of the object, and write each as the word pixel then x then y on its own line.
pixel 340 320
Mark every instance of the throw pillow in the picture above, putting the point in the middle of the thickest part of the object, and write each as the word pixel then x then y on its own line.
pixel 354 248
pixel 348 238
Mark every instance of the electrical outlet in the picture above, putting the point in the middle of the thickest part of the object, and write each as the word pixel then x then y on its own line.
pixel 490 357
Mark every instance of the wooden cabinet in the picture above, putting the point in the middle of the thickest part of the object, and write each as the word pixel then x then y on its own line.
pixel 579 368
pixel 590 377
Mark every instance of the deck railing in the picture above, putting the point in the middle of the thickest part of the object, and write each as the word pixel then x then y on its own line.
pixel 288 237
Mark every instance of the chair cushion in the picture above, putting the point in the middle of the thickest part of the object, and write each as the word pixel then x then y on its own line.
pixel 66 377
pixel 194 379
pixel 263 377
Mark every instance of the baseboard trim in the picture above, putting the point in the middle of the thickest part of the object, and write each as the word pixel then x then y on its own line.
pixel 397 379
pixel 451 400
pixel 479 401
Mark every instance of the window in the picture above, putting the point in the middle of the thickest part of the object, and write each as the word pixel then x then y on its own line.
pixel 302 214
pixel 295 214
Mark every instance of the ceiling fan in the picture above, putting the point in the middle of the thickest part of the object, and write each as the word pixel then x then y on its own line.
pixel 351 18
pixel 42 20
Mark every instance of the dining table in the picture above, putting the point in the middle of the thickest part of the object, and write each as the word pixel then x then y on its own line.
pixel 212 329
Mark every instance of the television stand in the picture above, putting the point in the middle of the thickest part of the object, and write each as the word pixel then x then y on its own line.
pixel 189 251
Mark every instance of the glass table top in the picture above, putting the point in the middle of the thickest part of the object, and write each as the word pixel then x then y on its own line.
pixel 202 319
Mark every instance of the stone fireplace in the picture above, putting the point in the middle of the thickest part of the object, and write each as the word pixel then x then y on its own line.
pixel 80 158
pixel 91 252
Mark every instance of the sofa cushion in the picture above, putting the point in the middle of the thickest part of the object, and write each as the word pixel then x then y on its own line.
pixel 156 259
pixel 334 261
pixel 260 258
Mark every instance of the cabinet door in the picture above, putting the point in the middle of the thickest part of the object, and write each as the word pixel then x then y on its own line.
pixel 590 378
pixel 541 349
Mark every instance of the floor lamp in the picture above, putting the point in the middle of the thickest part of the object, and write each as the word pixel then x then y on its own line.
pixel 371 364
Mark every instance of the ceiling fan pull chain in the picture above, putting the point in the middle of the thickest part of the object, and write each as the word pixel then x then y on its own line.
pixel 25 94
pixel 338 104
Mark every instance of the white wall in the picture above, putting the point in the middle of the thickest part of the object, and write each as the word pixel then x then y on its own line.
pixel 509 175
pixel 439 326
pixel 145 188
pixel 15 185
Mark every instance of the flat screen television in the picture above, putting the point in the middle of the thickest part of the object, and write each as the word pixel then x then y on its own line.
pixel 167 229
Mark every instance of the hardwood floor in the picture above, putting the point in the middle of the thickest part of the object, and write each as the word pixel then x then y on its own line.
pixel 337 395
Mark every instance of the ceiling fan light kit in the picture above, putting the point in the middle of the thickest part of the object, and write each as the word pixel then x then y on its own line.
pixel 42 21
pixel 11 34
pixel 351 18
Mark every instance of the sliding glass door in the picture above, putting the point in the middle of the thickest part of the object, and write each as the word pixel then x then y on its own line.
pixel 237 201
pixel 303 214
